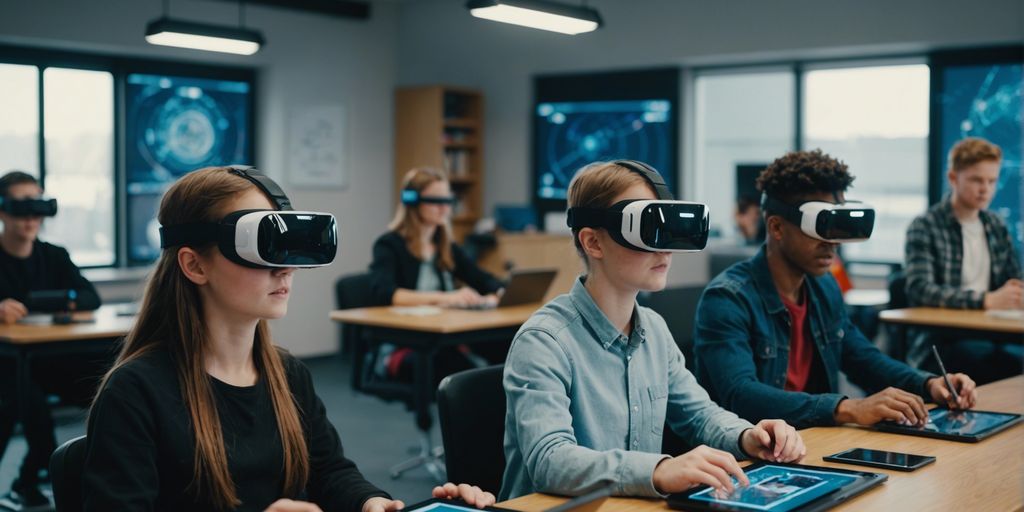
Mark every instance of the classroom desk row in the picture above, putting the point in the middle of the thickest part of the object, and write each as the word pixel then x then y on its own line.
pixel 965 476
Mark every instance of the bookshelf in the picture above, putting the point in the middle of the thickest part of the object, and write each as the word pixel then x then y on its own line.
pixel 442 127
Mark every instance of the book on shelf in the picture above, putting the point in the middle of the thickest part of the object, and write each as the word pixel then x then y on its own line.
pixel 456 162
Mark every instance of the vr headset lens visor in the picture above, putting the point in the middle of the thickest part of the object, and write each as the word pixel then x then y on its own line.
pixel 30 207
pixel 296 239
pixel 674 226
pixel 856 222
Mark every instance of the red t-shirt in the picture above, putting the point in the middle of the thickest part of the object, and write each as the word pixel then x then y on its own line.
pixel 801 347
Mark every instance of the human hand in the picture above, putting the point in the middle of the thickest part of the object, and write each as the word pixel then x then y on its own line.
pixel 379 504
pixel 11 311
pixel 470 494
pixel 1009 296
pixel 292 506
pixel 462 297
pixel 889 404
pixel 964 387
pixel 773 440
pixel 701 465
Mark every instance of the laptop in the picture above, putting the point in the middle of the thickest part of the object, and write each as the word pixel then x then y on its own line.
pixel 524 287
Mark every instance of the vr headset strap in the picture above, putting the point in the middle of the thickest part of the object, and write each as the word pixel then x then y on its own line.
pixel 593 218
pixel 772 206
pixel 197 233
pixel 267 185
pixel 652 176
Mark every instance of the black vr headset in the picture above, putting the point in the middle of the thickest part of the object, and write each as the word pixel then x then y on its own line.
pixel 263 238
pixel 412 197
pixel 648 225
pixel 850 221
pixel 29 207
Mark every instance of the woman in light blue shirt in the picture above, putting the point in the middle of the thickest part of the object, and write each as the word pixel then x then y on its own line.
pixel 592 379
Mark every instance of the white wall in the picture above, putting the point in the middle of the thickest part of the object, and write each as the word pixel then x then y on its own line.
pixel 309 60
pixel 439 41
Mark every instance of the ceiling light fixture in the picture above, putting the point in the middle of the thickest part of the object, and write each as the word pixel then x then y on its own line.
pixel 167 31
pixel 539 14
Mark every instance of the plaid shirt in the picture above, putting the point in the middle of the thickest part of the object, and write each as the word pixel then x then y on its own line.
pixel 935 250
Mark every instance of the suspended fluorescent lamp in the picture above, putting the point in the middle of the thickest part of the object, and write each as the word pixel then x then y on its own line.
pixel 540 14
pixel 201 36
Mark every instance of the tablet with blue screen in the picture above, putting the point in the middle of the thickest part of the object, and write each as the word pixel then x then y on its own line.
pixel 444 505
pixel 781 488
pixel 968 426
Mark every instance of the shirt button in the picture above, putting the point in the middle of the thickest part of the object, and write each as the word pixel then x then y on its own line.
pixel 636 409
pixel 767 350
pixel 629 358
pixel 636 443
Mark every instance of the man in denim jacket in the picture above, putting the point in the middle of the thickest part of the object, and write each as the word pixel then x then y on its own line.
pixel 772 332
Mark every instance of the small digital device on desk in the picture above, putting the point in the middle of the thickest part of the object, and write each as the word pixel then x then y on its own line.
pixel 781 488
pixel 880 459
pixel 968 426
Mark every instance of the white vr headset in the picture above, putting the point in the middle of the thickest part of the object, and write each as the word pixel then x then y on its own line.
pixel 263 238
pixel 850 221
pixel 649 225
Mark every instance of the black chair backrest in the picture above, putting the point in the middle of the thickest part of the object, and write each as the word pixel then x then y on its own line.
pixel 471 409
pixel 678 306
pixel 898 290
pixel 67 464
pixel 351 291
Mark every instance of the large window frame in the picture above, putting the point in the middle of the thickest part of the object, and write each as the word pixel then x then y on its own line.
pixel 120 67
pixel 799 68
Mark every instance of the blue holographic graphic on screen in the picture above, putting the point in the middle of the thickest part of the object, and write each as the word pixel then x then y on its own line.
pixel 175 125
pixel 573 134
pixel 985 101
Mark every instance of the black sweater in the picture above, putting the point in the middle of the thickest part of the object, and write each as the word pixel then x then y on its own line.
pixel 49 267
pixel 394 267
pixel 140 444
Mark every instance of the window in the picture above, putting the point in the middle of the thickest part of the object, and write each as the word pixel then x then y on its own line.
pixel 19 124
pixel 79 129
pixel 875 119
pixel 741 119
pixel 107 135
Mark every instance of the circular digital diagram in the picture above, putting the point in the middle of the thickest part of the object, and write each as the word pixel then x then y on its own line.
pixel 181 129
pixel 571 135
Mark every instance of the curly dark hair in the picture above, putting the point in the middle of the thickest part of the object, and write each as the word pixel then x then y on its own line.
pixel 799 173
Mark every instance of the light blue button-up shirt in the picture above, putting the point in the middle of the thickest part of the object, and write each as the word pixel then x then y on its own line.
pixel 587 405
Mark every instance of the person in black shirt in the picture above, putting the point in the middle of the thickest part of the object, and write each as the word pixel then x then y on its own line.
pixel 416 263
pixel 28 264
pixel 201 411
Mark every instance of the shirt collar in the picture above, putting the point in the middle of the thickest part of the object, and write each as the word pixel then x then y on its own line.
pixel 604 332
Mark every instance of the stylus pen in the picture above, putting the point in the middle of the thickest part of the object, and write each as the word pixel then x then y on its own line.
pixel 945 376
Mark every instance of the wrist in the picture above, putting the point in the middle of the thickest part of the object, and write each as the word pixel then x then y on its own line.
pixel 844 412
pixel 743 447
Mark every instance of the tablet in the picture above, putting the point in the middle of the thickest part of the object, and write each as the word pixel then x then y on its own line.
pixel 446 505
pixel 967 426
pixel 781 488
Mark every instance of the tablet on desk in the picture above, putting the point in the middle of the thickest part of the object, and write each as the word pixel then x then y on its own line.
pixel 966 426
pixel 781 488
pixel 446 505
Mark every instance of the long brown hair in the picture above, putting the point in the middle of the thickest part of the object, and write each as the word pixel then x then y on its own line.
pixel 408 223
pixel 171 316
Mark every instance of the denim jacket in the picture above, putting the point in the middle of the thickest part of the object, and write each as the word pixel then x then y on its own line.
pixel 587 405
pixel 741 348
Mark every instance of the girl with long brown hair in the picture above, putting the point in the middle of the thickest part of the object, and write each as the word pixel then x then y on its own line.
pixel 201 411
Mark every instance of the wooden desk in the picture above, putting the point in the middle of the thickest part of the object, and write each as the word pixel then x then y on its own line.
pixel 965 476
pixel 426 334
pixel 953 321
pixel 24 342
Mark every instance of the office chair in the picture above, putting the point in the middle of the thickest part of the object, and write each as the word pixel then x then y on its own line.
pixel 353 291
pixel 67 464
pixel 471 409
pixel 898 344
pixel 678 306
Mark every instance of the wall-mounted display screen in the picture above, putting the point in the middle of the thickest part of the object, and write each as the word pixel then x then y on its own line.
pixel 985 101
pixel 573 134
pixel 175 125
